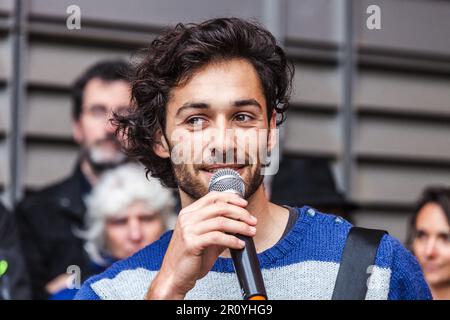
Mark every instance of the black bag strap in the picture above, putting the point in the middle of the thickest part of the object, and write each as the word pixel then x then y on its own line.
pixel 359 253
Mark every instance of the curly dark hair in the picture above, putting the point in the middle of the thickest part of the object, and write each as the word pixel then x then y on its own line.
pixel 173 58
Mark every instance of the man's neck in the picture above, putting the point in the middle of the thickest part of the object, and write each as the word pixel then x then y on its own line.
pixel 272 219
pixel 88 172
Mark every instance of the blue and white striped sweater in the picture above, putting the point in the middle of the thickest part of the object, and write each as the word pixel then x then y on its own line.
pixel 302 265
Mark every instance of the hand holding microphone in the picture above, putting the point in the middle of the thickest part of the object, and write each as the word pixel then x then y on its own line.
pixel 203 231
pixel 245 260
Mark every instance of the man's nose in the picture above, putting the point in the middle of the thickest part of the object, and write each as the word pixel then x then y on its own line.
pixel 110 127
pixel 223 139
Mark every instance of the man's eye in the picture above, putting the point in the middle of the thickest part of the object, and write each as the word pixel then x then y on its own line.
pixel 98 111
pixel 196 121
pixel 243 117
pixel 122 111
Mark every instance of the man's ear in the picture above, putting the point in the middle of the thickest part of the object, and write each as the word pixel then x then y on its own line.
pixel 77 131
pixel 272 141
pixel 161 147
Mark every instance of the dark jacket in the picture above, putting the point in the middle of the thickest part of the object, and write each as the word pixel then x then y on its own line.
pixel 47 221
pixel 14 281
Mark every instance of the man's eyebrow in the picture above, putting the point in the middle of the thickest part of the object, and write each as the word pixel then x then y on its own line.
pixel 246 102
pixel 203 105
pixel 192 105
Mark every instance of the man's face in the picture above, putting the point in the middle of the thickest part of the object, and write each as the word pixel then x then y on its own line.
pixel 432 244
pixel 219 120
pixel 93 131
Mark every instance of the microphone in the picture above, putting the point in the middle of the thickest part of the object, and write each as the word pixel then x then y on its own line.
pixel 245 260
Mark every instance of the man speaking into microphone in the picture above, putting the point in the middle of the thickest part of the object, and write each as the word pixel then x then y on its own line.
pixel 207 99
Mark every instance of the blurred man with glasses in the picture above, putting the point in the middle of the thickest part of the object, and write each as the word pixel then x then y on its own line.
pixel 47 218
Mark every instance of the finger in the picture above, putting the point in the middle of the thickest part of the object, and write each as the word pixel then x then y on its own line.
pixel 215 196
pixel 224 224
pixel 217 238
pixel 223 209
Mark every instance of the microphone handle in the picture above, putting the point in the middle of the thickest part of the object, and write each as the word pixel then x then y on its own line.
pixel 247 268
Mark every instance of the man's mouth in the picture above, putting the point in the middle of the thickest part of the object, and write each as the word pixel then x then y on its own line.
pixel 108 142
pixel 213 168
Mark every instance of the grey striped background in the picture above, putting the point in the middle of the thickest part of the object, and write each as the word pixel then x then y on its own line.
pixel 387 135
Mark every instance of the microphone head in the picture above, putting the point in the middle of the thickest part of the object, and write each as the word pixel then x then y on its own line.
pixel 227 180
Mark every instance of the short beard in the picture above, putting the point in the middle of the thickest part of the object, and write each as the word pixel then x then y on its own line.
pixel 254 184
pixel 192 187
pixel 98 167
pixel 196 190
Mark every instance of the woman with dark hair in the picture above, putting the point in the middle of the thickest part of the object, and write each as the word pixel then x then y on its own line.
pixel 430 239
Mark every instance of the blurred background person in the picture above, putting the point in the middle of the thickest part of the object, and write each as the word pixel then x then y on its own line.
pixel 48 217
pixel 430 239
pixel 316 186
pixel 125 212
pixel 14 282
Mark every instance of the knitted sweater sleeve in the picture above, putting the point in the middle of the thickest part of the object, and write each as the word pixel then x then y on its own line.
pixel 407 280
pixel 86 292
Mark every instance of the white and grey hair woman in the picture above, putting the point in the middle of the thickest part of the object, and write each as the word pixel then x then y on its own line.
pixel 125 212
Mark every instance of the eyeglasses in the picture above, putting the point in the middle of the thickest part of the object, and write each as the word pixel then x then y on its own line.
pixel 103 113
